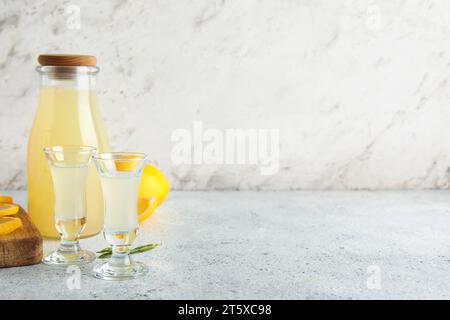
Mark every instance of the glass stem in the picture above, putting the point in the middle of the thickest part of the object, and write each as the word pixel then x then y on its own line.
pixel 69 246
pixel 120 256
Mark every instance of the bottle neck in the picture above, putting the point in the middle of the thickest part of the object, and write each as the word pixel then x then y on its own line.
pixel 82 78
pixel 79 82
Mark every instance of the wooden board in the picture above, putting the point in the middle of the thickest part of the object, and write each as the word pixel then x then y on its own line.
pixel 23 246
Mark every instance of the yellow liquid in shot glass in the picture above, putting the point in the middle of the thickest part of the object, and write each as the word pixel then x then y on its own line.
pixel 121 222
pixel 69 185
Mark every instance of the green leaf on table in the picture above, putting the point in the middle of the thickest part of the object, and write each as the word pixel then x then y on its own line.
pixel 107 252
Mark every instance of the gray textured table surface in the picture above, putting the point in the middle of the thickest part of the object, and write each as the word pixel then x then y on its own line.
pixel 280 245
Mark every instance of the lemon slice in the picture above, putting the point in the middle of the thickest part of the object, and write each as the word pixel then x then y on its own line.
pixel 127 163
pixel 6 199
pixel 7 209
pixel 146 206
pixel 153 189
pixel 9 224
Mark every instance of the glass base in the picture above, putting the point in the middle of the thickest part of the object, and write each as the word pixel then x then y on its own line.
pixel 107 271
pixel 60 258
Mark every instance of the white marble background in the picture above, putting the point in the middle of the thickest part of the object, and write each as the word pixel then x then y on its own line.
pixel 359 89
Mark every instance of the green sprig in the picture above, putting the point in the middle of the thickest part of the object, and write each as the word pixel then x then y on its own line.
pixel 107 252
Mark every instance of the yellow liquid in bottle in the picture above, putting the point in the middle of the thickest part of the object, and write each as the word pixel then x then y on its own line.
pixel 65 116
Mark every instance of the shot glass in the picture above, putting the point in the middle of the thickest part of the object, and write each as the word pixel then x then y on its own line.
pixel 120 174
pixel 69 167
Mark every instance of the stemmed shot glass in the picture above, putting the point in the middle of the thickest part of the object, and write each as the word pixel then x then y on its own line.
pixel 120 174
pixel 69 166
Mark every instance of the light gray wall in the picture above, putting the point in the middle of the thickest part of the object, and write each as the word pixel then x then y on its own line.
pixel 358 90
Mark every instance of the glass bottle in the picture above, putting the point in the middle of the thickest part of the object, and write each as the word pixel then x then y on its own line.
pixel 67 114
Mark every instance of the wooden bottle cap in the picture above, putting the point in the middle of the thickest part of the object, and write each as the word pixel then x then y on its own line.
pixel 67 60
